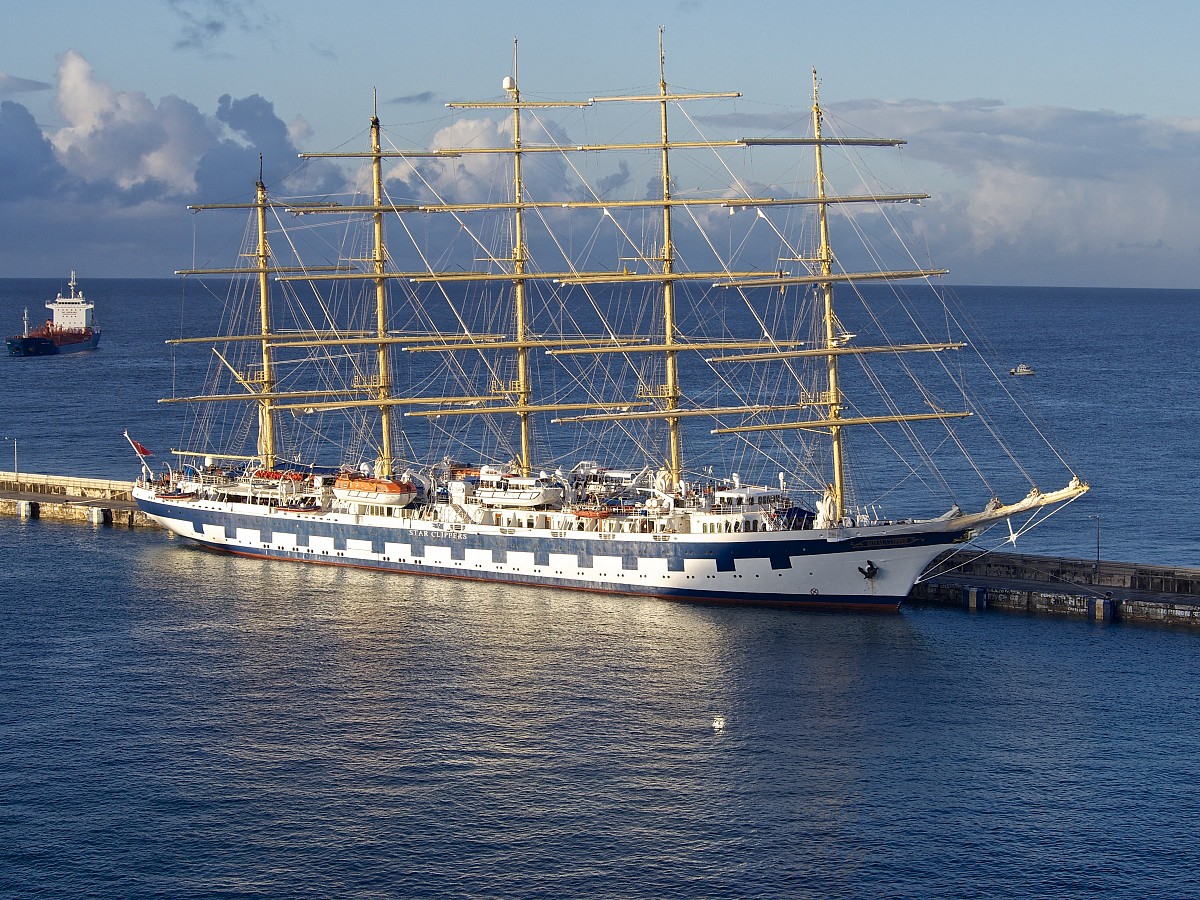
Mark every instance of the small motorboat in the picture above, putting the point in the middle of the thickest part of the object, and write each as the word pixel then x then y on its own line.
pixel 1022 369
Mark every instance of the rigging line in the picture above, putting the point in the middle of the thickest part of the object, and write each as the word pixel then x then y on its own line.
pixel 913 439
pixel 998 378
pixel 726 266
pixel 1037 516
pixel 713 151
pixel 803 467
pixel 330 319
pixel 1049 576
pixel 424 314
pixel 936 571
pixel 727 377
pixel 857 160
pixel 986 551
pixel 907 429
pixel 916 381
pixel 1046 512
pixel 915 442
pixel 489 422
pixel 760 215
pixel 636 247
pixel 458 218
pixel 557 291
pixel 317 296
pixel 1038 428
pixel 746 238
pixel 913 472
pixel 362 434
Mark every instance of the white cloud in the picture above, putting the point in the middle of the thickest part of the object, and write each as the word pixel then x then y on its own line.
pixel 474 177
pixel 125 165
pixel 121 136
pixel 1035 195
pixel 1044 194
pixel 299 130
pixel 466 178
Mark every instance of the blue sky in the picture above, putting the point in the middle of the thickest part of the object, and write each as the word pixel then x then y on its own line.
pixel 1060 139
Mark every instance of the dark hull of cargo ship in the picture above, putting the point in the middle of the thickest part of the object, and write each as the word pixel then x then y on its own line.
pixel 20 345
pixel 871 571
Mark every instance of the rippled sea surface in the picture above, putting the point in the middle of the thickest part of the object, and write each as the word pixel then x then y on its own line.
pixel 178 723
pixel 175 723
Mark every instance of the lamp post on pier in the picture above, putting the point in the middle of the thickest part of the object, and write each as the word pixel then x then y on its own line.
pixel 14 440
pixel 1096 566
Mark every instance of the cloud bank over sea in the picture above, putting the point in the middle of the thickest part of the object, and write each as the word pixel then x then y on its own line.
pixel 1019 195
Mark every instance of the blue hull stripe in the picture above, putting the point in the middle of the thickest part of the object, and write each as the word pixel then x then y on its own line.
pixel 780 552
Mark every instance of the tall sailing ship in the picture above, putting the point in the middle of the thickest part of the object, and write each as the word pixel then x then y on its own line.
pixel 661 393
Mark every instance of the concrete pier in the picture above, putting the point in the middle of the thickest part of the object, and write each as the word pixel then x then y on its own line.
pixel 1063 586
pixel 67 498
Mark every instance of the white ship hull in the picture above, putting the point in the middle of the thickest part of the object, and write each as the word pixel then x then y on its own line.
pixel 871 567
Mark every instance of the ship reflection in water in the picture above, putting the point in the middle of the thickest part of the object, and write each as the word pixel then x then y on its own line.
pixel 534 716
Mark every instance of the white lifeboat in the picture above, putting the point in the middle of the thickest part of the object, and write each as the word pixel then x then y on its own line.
pixel 515 491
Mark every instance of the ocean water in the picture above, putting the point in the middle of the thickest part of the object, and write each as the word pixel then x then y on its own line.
pixel 178 723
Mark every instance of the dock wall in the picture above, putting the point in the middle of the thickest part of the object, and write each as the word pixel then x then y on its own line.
pixel 1102 575
pixel 66 485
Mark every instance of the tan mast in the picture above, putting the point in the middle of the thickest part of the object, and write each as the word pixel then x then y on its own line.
pixel 266 407
pixel 671 388
pixel 261 385
pixel 520 324
pixel 669 393
pixel 383 361
pixel 833 344
pixel 825 262
pixel 661 271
